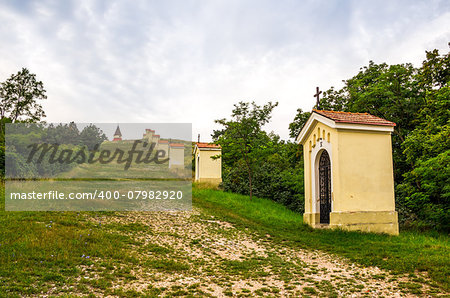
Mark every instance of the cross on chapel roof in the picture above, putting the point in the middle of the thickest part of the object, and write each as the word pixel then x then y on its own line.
pixel 317 95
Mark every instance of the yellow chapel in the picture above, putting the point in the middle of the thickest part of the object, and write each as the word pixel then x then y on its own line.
pixel 208 169
pixel 349 180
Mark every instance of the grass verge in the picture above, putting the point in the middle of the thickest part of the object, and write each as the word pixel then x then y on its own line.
pixel 408 253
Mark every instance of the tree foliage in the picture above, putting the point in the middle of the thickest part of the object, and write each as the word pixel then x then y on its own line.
pixel 22 138
pixel 242 137
pixel 256 162
pixel 20 97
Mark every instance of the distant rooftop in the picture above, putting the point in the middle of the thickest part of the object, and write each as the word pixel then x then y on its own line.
pixel 207 145
pixel 176 145
pixel 356 118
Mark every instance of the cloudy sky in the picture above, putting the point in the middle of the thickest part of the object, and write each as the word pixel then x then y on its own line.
pixel 189 61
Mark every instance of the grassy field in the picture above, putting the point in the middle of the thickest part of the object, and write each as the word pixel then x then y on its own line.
pixel 102 253
pixel 411 252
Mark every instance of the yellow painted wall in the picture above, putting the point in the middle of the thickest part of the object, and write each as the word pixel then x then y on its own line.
pixel 176 157
pixel 366 172
pixel 328 135
pixel 148 136
pixel 164 147
pixel 155 140
pixel 209 170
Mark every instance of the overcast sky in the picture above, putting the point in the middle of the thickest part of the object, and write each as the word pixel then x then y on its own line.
pixel 190 61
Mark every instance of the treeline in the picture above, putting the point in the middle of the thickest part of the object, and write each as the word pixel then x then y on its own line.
pixel 416 99
pixel 23 138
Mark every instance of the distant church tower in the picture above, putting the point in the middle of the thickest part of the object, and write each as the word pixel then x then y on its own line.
pixel 117 135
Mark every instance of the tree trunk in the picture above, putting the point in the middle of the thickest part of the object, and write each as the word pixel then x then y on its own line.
pixel 250 184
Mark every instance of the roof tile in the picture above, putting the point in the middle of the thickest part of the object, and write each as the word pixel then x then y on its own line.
pixel 356 118
pixel 207 145
pixel 176 145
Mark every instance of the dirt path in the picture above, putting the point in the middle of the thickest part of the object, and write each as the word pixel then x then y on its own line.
pixel 191 253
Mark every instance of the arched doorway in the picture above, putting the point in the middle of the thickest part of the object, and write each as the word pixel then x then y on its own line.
pixel 325 187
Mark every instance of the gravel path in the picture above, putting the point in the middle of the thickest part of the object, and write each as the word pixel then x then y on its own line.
pixel 200 255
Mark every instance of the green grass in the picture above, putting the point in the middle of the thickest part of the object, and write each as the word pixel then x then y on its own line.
pixel 43 250
pixel 407 253
pixel 39 248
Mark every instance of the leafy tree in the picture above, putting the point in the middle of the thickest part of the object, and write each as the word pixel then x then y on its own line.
pixel 242 136
pixel 20 96
pixel 296 126
pixel 424 194
pixel 91 135
pixel 435 71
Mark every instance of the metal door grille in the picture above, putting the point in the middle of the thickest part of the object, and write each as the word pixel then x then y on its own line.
pixel 325 187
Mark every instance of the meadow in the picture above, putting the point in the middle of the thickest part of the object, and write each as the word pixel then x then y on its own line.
pixel 115 253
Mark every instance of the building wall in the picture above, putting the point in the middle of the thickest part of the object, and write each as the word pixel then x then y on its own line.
pixel 176 157
pixel 164 147
pixel 148 136
pixel 208 169
pixel 366 172
pixel 311 152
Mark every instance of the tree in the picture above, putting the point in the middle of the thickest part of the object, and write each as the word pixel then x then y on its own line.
pixel 427 148
pixel 296 126
pixel 20 96
pixel 91 135
pixel 242 136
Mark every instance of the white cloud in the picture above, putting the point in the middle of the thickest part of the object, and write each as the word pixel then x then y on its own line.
pixel 190 61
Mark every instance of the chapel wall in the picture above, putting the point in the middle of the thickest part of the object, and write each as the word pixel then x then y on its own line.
pixel 209 168
pixel 365 172
pixel 328 135
pixel 176 157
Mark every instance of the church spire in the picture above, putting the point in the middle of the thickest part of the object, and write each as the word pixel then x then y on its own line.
pixel 117 134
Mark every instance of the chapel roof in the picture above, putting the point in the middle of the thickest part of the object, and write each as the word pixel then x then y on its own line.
pixel 176 145
pixel 117 133
pixel 356 118
pixel 207 145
